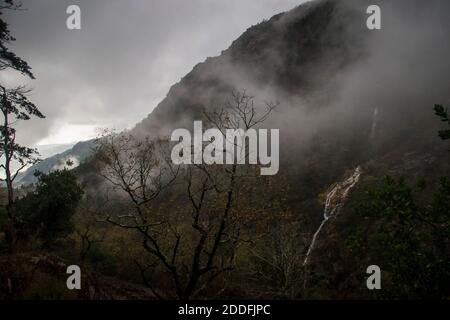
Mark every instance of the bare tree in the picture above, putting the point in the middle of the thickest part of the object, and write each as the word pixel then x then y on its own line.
pixel 87 229
pixel 138 168
pixel 134 168
pixel 278 261
pixel 197 246
pixel 240 112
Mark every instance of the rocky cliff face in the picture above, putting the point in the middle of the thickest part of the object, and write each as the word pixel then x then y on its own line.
pixel 290 58
pixel 342 88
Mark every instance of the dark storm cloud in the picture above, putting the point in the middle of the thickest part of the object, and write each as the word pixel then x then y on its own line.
pixel 115 70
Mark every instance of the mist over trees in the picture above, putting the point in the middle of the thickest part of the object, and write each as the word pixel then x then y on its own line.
pixel 196 247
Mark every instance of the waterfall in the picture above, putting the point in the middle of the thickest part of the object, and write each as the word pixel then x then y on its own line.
pixel 374 123
pixel 333 204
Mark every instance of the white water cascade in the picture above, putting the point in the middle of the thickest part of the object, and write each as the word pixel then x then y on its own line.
pixel 374 124
pixel 333 204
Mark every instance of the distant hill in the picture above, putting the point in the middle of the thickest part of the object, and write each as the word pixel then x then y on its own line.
pixel 76 154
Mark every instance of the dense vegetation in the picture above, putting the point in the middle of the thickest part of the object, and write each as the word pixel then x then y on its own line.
pixel 406 231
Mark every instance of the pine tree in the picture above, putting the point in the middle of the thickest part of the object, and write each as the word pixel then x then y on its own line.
pixel 14 106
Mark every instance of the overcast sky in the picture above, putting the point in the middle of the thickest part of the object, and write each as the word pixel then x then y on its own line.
pixel 116 69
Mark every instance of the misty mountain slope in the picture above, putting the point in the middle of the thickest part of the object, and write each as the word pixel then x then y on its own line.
pixel 77 154
pixel 284 56
pixel 330 74
pixel 285 59
pixel 348 96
